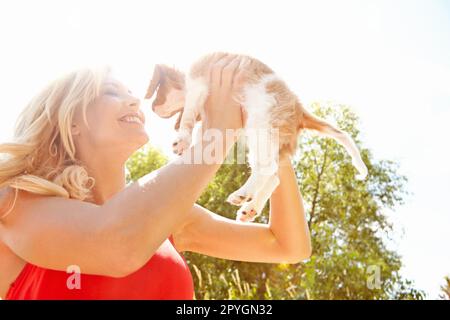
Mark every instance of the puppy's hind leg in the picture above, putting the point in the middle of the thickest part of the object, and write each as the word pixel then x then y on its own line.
pixel 250 210
pixel 263 160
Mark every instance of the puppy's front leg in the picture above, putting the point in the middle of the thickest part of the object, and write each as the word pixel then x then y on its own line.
pixel 196 94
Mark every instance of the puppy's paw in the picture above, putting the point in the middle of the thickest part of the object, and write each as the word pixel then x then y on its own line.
pixel 247 213
pixel 239 197
pixel 181 143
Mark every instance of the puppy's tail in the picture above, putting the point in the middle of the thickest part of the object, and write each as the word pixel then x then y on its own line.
pixel 311 122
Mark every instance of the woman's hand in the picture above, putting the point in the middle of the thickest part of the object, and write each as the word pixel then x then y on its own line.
pixel 225 79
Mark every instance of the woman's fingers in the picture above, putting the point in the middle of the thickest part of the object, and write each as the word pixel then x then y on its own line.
pixel 240 79
pixel 223 81
pixel 229 71
pixel 216 71
pixel 212 73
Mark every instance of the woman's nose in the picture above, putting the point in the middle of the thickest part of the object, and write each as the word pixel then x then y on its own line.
pixel 134 101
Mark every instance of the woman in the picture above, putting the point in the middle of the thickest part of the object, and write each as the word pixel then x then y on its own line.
pixel 70 228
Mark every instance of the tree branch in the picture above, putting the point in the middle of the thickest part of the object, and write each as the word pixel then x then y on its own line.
pixel 316 189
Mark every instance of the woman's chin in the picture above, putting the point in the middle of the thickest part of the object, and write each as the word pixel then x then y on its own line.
pixel 137 138
pixel 143 138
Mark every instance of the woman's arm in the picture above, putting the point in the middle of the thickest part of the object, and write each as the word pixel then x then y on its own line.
pixel 118 237
pixel 287 214
pixel 284 239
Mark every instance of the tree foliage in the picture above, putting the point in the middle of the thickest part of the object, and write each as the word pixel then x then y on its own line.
pixel 446 289
pixel 349 227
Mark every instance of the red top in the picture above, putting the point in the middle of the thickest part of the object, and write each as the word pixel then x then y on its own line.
pixel 165 276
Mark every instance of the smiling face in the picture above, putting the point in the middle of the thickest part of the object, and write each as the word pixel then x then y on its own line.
pixel 115 122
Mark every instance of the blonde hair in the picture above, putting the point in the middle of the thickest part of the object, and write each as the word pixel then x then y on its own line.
pixel 41 157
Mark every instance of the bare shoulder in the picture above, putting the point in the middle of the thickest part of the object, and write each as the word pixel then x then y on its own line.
pixel 13 203
pixel 7 195
pixel 13 200
pixel 10 267
pixel 11 264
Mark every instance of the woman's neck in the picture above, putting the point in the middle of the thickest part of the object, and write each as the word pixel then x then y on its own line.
pixel 109 179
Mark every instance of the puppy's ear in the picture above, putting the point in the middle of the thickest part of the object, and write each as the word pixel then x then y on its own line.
pixel 164 79
pixel 157 77
pixel 177 124
pixel 173 77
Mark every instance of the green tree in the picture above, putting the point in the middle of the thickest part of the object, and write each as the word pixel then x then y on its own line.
pixel 446 289
pixel 143 161
pixel 349 226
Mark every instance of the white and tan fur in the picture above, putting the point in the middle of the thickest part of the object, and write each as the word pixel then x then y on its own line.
pixel 270 107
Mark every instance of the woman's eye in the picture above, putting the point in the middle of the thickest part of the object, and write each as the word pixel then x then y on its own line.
pixel 111 93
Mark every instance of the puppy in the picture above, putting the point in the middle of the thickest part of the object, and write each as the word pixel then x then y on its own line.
pixel 270 107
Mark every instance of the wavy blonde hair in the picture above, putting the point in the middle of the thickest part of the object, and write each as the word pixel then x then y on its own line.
pixel 41 157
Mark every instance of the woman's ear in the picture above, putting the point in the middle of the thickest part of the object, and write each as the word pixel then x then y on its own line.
pixel 75 130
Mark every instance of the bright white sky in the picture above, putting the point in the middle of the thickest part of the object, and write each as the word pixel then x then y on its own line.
pixel 389 60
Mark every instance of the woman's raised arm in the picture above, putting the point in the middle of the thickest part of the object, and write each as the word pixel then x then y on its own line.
pixel 119 237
